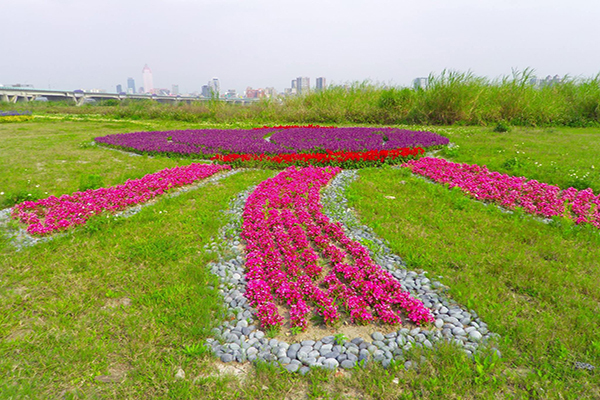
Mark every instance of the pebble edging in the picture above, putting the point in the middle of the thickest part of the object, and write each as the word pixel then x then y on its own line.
pixel 240 339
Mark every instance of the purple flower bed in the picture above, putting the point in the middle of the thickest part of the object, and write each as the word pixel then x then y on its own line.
pixel 354 139
pixel 14 113
pixel 208 142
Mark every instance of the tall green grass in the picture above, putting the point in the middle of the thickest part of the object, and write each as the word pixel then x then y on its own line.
pixel 450 98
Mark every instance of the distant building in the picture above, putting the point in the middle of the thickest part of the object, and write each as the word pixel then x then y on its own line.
pixel 254 93
pixel 147 77
pixel 119 88
pixel 548 81
pixel 175 90
pixel 19 85
pixel 215 87
pixel 420 83
pixel 303 85
pixel 270 92
pixel 205 91
pixel 231 94
pixel 130 85
pixel 294 82
pixel 321 83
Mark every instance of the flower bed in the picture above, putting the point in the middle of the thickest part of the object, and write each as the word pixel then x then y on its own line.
pixel 59 213
pixel 296 257
pixel 15 116
pixel 270 140
pixel 295 126
pixel 582 206
pixel 304 139
pixel 343 159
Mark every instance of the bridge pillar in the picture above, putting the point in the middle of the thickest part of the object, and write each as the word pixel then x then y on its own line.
pixel 5 97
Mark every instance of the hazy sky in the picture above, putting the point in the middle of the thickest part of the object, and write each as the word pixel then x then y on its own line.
pixel 71 44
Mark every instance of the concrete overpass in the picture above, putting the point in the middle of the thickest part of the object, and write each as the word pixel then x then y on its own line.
pixel 80 97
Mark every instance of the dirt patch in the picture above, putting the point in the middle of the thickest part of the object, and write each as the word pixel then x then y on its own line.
pixel 350 331
pixel 239 371
pixel 114 303
pixel 116 374
pixel 18 334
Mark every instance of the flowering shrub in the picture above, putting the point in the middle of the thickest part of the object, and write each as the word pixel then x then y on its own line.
pixel 296 257
pixel 510 192
pixel 343 159
pixel 58 213
pixel 271 140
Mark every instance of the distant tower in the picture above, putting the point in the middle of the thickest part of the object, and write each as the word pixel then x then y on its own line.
pixel 215 87
pixel 119 88
pixel 130 85
pixel 321 83
pixel 420 83
pixel 303 85
pixel 147 76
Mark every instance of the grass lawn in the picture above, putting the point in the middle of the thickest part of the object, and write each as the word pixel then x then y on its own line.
pixel 115 308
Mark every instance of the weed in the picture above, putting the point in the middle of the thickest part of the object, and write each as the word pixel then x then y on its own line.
pixel 272 331
pixel 296 330
pixel 340 339
pixel 91 181
pixel 501 127
pixel 196 350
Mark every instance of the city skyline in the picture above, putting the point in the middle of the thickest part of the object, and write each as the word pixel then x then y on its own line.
pixel 301 84
pixel 257 43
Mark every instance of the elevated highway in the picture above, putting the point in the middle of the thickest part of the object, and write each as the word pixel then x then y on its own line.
pixel 80 97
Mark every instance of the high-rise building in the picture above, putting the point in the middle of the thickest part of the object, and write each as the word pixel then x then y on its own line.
pixel 119 88
pixel 130 85
pixel 321 83
pixel 294 82
pixel 420 83
pixel 175 89
pixel 205 91
pixel 303 85
pixel 147 77
pixel 215 87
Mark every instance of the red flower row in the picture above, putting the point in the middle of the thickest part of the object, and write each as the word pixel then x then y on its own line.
pixel 295 126
pixel 337 158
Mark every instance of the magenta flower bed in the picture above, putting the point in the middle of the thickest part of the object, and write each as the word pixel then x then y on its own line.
pixel 287 234
pixel 510 192
pixel 58 213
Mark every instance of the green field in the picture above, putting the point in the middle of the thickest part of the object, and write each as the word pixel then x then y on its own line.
pixel 115 308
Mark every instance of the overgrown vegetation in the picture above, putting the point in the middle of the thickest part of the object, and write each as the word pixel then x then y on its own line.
pixel 450 98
